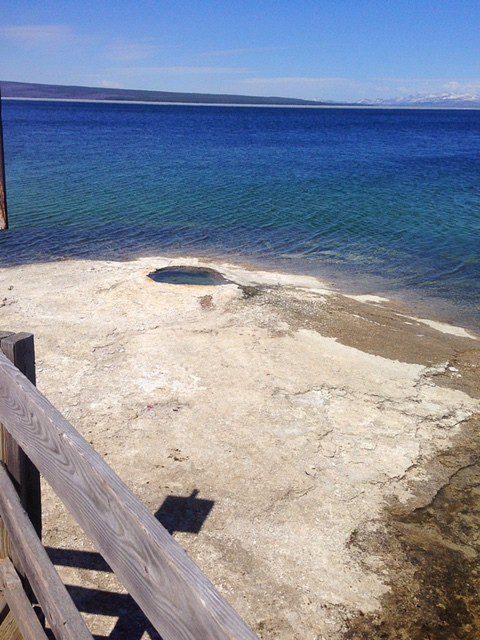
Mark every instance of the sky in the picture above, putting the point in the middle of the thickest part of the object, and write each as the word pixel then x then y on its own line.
pixel 323 49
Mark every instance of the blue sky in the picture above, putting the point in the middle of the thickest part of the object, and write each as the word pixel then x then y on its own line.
pixel 327 49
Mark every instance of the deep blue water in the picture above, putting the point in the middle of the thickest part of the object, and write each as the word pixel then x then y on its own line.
pixel 384 200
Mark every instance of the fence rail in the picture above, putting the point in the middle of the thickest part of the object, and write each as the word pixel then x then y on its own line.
pixel 180 602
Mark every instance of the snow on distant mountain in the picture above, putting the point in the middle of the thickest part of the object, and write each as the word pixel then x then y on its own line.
pixel 458 100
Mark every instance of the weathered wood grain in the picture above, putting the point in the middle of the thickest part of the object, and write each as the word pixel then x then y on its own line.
pixel 9 629
pixel 20 350
pixel 19 604
pixel 56 603
pixel 5 550
pixel 3 186
pixel 172 591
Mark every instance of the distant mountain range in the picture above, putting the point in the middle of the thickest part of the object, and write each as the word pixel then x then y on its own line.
pixel 432 100
pixel 27 90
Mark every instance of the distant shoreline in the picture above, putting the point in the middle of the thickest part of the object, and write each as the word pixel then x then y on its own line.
pixel 244 105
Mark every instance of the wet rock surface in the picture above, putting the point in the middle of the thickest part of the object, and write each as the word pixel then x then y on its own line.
pixel 434 555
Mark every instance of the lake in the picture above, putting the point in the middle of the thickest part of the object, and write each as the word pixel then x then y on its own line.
pixel 384 201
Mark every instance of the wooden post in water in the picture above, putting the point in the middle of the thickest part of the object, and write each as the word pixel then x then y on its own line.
pixel 3 188
pixel 19 349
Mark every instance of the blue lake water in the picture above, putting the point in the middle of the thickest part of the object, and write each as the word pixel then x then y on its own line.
pixel 379 200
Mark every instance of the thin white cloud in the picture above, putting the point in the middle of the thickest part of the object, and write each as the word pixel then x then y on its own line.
pixel 36 34
pixel 302 80
pixel 462 87
pixel 124 51
pixel 181 70
pixel 339 88
pixel 238 52
pixel 304 87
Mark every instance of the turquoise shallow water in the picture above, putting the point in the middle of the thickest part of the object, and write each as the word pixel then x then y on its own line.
pixel 384 200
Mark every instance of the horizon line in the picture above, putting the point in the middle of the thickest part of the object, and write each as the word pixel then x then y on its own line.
pixel 339 105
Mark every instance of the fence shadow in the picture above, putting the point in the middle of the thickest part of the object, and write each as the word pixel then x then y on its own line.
pixel 177 514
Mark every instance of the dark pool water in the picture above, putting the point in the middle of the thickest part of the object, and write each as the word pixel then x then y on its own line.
pixel 188 275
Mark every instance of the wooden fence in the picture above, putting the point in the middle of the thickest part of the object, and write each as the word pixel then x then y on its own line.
pixel 174 594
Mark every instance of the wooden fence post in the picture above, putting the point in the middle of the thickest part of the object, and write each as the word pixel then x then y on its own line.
pixel 3 187
pixel 19 349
